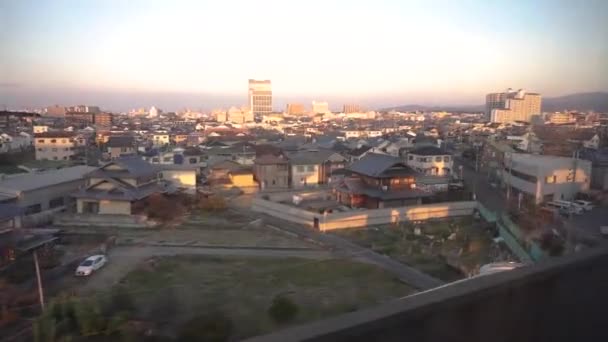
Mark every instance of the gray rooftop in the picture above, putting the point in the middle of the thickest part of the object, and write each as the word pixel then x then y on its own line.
pixel 310 157
pixel 37 180
pixel 377 165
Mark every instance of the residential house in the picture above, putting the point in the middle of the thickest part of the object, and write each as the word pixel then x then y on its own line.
pixel 118 187
pixel 156 156
pixel 271 171
pixel 358 153
pixel 180 176
pixel 228 173
pixel 379 181
pixel 54 145
pixel 10 216
pixel 540 178
pixel 313 167
pixel 15 142
pixel 160 139
pixel 118 146
pixel 41 194
pixel 430 160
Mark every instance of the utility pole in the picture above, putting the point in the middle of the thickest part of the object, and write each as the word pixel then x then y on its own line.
pixel 40 291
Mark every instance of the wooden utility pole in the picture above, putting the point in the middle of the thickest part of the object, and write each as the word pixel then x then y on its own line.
pixel 40 291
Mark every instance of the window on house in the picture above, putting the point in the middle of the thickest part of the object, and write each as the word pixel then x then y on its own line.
pixel 446 159
pixel 41 141
pixel 63 141
pixel 123 149
pixel 66 149
pixel 438 159
pixel 53 141
pixel 54 149
pixel 55 158
pixel 155 160
pixel 551 179
pixel 56 202
pixel 310 168
pixel 167 159
pixel 33 209
pixel 65 158
pixel 419 159
pixel 193 160
pixel 410 158
pixel 40 149
pixel 300 168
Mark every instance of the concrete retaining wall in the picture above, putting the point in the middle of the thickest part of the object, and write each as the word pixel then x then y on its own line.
pixel 283 211
pixel 362 218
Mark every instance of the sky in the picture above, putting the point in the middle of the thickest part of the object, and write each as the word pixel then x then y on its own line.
pixel 176 53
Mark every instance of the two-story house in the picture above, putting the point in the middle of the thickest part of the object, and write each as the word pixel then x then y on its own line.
pixel 160 139
pixel 54 145
pixel 116 187
pixel 271 171
pixel 379 181
pixel 118 146
pixel 430 160
pixel 313 167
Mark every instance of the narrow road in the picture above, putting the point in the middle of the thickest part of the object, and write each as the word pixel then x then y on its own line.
pixel 123 260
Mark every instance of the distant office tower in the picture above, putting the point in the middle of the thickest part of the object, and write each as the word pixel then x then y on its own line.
pixel 351 108
pixel 239 115
pixel 512 106
pixel 295 109
pixel 83 109
pixel 153 112
pixel 219 115
pixel 103 119
pixel 561 118
pixel 320 107
pixel 260 97
pixel 57 111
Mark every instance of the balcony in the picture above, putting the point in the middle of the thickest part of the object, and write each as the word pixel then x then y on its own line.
pixel 562 299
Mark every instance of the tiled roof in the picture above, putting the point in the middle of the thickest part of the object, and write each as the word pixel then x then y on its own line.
pixel 121 141
pixel 428 151
pixel 375 165
pixel 37 180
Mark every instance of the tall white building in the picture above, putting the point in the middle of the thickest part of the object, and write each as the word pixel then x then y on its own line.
pixel 512 106
pixel 321 107
pixel 260 97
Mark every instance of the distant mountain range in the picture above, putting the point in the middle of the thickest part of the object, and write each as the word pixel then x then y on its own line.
pixel 597 101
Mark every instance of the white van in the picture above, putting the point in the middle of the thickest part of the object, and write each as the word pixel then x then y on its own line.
pixel 565 205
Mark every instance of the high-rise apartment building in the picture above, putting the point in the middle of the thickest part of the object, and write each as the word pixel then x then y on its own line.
pixel 351 108
pixel 512 106
pixel 295 109
pixel 260 97
pixel 320 107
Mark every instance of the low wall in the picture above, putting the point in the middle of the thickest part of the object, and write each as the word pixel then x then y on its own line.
pixel 40 218
pixel 287 196
pixel 283 211
pixel 100 220
pixel 362 218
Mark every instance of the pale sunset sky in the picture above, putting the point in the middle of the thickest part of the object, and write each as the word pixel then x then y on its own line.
pixel 121 54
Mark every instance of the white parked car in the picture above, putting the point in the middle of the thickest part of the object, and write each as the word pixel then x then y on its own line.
pixel 586 205
pixel 90 265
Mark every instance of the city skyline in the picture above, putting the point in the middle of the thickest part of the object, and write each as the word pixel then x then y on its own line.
pixel 201 54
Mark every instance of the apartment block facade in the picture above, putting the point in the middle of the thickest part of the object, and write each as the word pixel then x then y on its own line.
pixel 54 145
pixel 512 106
pixel 260 96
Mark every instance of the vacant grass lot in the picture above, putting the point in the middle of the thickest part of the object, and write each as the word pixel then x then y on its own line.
pixel 171 290
pixel 446 249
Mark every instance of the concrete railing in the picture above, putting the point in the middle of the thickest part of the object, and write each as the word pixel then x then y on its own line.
pixel 103 220
pixel 562 299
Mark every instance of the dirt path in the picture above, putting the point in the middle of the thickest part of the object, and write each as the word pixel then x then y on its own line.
pixel 122 260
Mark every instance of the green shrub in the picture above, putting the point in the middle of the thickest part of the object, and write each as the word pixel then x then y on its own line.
pixel 283 309
pixel 212 327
